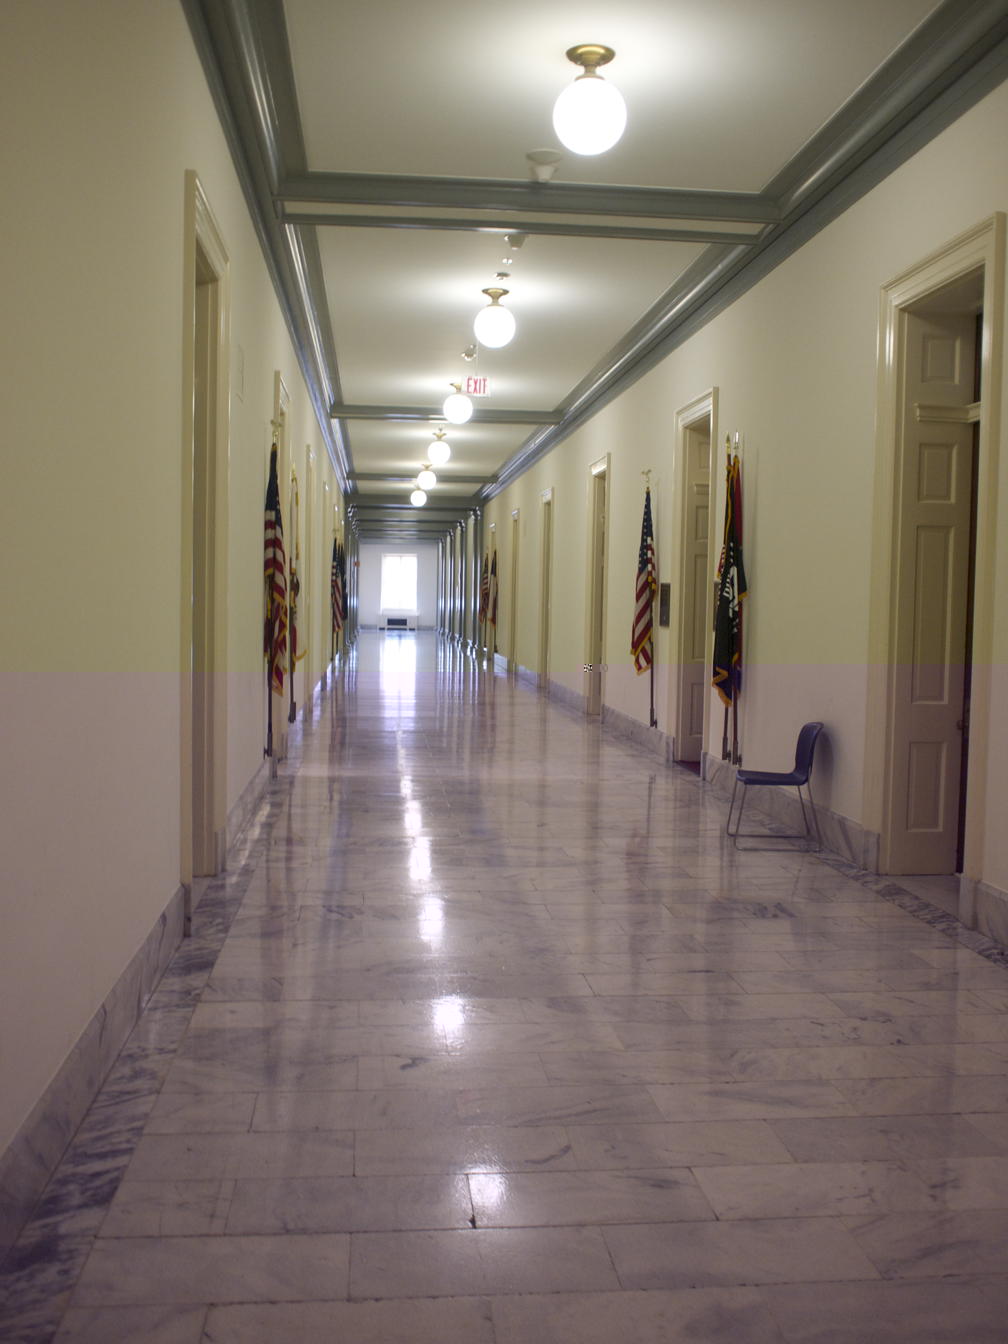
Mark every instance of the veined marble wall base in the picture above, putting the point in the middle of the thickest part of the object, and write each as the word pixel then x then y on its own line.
pixel 563 695
pixel 528 677
pixel 781 807
pixel 651 740
pixel 35 1152
pixel 244 809
pixel 984 908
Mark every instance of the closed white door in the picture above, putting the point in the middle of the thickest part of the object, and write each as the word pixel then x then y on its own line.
pixel 694 592
pixel 933 577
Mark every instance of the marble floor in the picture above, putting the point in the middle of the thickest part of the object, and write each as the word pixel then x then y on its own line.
pixel 487 1036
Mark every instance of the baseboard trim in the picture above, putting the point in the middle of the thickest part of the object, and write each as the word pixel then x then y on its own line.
pixel 563 695
pixel 652 740
pixel 985 908
pixel 35 1151
pixel 251 796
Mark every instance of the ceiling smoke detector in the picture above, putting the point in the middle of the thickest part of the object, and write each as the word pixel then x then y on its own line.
pixel 542 165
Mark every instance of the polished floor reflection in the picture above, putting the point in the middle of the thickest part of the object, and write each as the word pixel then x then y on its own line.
pixel 487 1036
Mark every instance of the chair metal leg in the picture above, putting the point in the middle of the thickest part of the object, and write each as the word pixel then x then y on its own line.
pixel 815 818
pixel 731 808
pixel 811 832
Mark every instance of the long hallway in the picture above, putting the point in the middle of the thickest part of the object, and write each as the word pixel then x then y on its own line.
pixel 487 1036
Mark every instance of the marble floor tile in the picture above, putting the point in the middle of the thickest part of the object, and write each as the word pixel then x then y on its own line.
pixel 171 1208
pixel 402 1321
pixel 205 1113
pixel 922 1312
pixel 584 1198
pixel 814 1189
pixel 966 1182
pixel 462 1148
pixel 126 1325
pixel 749 1101
pixel 162 1270
pixel 933 1245
pixel 941 1095
pixel 691 1255
pixel 505 1260
pixel 884 1138
pixel 563 1105
pixel 443 1060
pixel 697 1316
pixel 161 1157
pixel 702 1143
pixel 349 1204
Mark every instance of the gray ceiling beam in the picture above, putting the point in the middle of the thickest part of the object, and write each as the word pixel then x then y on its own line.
pixel 243 49
pixel 396 516
pixel 451 479
pixel 951 61
pixel 569 198
pixel 540 228
pixel 481 416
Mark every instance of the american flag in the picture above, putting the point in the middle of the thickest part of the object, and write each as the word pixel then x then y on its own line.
pixel 337 587
pixel 275 632
pixel 641 643
pixel 492 597
pixel 484 591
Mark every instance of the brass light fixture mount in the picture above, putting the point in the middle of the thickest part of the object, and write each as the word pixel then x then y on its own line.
pixel 590 55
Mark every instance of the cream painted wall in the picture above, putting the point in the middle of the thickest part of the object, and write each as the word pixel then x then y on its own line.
pixel 91 350
pixel 794 361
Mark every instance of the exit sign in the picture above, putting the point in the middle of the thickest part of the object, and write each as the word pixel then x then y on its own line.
pixel 476 387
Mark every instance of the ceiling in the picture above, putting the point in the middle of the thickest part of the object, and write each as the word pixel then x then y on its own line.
pixel 382 148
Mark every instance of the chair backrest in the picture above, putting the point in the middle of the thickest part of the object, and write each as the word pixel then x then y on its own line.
pixel 805 750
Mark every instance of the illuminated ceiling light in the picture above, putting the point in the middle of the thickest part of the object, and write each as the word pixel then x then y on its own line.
pixel 494 326
pixel 418 498
pixel 438 450
pixel 457 408
pixel 590 114
pixel 426 479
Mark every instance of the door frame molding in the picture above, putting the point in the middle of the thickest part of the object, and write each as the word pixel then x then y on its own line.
pixel 545 582
pixel 703 407
pixel 979 248
pixel 595 597
pixel 202 237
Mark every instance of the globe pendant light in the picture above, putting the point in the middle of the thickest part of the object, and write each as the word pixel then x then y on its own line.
pixel 590 115
pixel 457 407
pixel 418 498
pixel 438 451
pixel 426 479
pixel 494 326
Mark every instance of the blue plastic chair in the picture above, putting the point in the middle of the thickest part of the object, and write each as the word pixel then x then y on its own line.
pixel 796 778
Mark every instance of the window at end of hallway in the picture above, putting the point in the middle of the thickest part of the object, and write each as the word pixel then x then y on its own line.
pixel 399 583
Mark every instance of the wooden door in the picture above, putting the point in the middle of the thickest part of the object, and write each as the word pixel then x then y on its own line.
pixel 933 580
pixel 694 592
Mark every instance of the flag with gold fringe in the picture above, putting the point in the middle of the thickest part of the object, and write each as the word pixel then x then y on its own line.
pixel 275 577
pixel 732 587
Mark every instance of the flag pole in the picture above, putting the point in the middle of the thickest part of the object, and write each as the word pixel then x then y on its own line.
pixel 654 717
pixel 725 751
pixel 737 516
